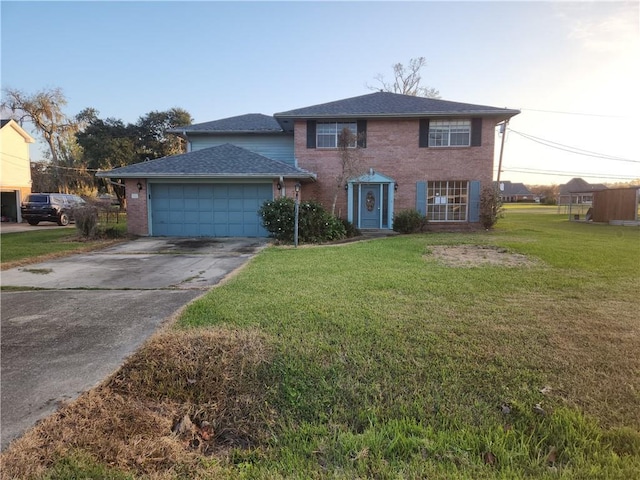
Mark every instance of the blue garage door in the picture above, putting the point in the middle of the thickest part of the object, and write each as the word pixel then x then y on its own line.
pixel 208 210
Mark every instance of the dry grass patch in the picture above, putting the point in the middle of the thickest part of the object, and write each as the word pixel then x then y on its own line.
pixel 479 255
pixel 183 396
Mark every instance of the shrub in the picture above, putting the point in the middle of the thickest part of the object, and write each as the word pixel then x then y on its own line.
pixel 278 218
pixel 315 224
pixel 409 221
pixel 86 218
pixel 490 207
pixel 350 229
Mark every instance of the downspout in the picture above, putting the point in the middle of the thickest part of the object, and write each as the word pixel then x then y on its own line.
pixel 186 141
pixel 283 191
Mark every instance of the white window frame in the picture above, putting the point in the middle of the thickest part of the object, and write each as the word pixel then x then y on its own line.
pixel 329 132
pixel 448 201
pixel 450 133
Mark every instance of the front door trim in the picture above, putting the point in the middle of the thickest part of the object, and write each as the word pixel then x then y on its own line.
pixel 355 194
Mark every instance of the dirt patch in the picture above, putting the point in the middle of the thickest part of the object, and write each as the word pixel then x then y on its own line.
pixel 183 396
pixel 479 255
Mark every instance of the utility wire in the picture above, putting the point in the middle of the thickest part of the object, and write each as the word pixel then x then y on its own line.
pixel 573 113
pixel 608 176
pixel 570 149
pixel 51 165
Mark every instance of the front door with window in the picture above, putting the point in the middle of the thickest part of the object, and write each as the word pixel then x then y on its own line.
pixel 370 208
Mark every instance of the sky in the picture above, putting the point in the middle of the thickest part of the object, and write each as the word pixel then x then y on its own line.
pixel 572 68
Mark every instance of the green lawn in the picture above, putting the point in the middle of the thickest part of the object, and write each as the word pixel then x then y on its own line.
pixel 390 363
pixel 385 362
pixel 27 247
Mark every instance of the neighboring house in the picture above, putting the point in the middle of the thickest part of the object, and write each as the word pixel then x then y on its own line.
pixel 515 192
pixel 411 153
pixel 578 191
pixel 15 168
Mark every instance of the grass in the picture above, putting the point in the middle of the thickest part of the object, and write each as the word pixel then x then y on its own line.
pixel 23 248
pixel 380 361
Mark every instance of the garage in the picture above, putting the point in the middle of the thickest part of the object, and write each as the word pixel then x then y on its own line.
pixel 208 209
pixel 212 192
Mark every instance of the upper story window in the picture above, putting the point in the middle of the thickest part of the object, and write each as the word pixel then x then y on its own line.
pixel 449 133
pixel 328 134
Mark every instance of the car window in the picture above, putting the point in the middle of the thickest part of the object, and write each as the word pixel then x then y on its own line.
pixel 38 198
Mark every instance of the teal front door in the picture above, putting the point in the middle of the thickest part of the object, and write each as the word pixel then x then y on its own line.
pixel 370 211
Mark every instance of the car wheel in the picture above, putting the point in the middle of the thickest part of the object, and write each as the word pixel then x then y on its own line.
pixel 33 222
pixel 63 219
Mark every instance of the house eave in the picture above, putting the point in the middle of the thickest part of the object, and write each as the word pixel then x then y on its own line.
pixel 227 132
pixel 214 176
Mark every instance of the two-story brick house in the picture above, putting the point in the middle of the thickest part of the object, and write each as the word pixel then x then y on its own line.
pixel 405 152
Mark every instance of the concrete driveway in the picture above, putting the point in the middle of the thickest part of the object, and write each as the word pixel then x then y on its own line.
pixel 93 311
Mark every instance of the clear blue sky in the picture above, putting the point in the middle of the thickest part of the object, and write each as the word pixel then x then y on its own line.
pixel 220 59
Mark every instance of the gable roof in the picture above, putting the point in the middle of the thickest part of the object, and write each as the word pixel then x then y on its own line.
pixel 9 122
pixel 222 161
pixel 579 185
pixel 249 123
pixel 386 104
pixel 510 188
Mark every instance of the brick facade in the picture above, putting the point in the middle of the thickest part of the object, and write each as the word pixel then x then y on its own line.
pixel 137 211
pixel 392 150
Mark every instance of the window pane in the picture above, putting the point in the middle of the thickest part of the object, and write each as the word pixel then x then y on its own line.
pixel 326 128
pixel 326 141
pixel 444 133
pixel 447 201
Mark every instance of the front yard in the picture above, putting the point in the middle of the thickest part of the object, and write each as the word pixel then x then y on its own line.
pixel 23 248
pixel 503 354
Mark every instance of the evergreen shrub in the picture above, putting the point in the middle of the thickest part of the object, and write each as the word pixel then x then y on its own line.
pixel 315 224
pixel 409 221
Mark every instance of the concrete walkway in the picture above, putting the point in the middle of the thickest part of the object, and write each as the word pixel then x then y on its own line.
pixel 95 310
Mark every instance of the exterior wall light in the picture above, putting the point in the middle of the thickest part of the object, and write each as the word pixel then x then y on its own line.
pixel 395 187
pixel 279 186
pixel 139 186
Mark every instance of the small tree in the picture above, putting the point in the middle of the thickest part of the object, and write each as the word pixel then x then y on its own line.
pixel 350 161
pixel 490 207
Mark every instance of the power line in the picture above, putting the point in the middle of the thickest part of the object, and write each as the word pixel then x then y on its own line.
pixel 51 165
pixel 570 149
pixel 607 176
pixel 573 113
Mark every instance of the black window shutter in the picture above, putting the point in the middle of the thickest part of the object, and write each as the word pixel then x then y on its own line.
pixel 311 134
pixel 362 133
pixel 476 132
pixel 424 133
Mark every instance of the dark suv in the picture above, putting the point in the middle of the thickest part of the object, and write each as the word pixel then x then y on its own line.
pixel 50 207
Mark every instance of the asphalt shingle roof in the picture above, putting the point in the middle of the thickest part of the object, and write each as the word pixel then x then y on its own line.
pixel 387 104
pixel 579 185
pixel 221 161
pixel 249 123
pixel 515 189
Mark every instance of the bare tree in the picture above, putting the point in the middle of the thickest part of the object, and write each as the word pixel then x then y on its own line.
pixel 406 80
pixel 350 162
